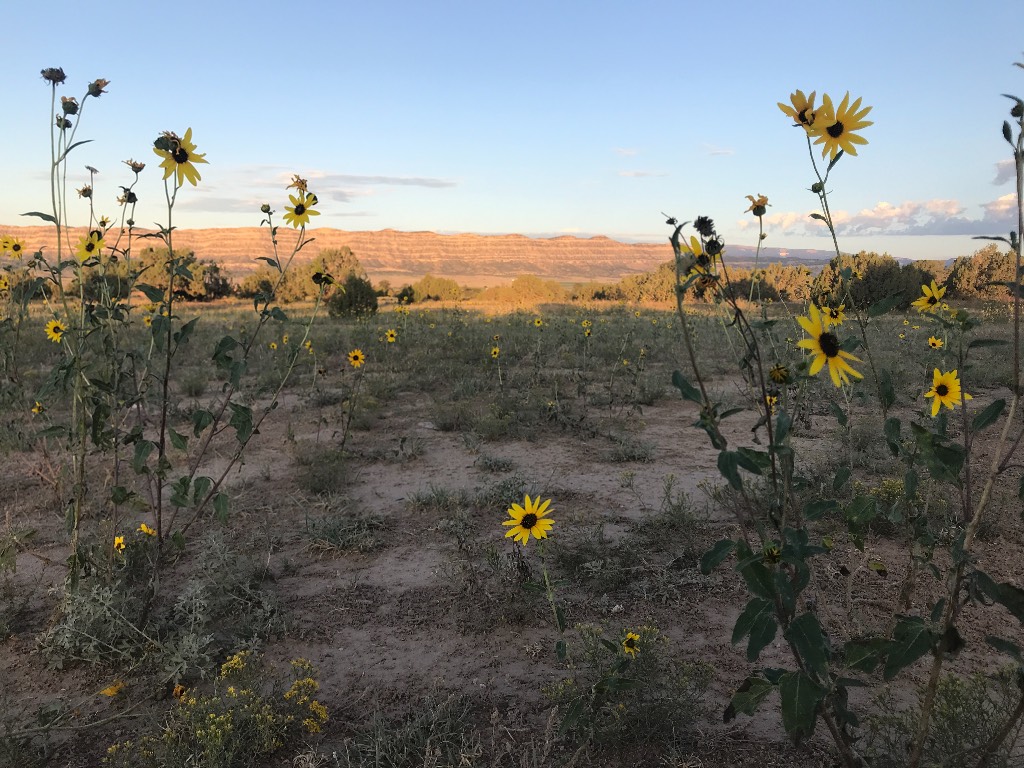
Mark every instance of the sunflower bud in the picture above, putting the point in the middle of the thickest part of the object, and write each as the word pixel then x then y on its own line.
pixel 85 191
pixel 265 209
pixel 817 187
pixel 128 197
pixel 63 123
pixel 714 246
pixel 54 75
pixel 69 104
pixel 96 87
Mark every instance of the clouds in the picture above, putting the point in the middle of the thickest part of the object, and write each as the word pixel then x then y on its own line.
pixel 642 174
pixel 913 217
pixel 1006 170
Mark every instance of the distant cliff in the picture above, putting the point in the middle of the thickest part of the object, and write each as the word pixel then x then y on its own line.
pixel 471 259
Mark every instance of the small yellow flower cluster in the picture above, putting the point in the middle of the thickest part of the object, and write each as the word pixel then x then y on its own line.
pixel 235 663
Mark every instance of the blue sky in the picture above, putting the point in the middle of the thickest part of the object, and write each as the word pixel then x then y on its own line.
pixel 541 118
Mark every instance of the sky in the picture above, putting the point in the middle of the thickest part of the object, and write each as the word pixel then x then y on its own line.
pixel 538 118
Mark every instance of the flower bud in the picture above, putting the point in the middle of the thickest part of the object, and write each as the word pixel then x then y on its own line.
pixel 96 87
pixel 817 187
pixel 69 104
pixel 85 191
pixel 265 209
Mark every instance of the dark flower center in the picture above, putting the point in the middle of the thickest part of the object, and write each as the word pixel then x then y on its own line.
pixel 90 246
pixel 16 248
pixel 835 131
pixel 942 390
pixel 829 344
pixel 834 314
pixel 300 209
pixel 180 156
pixel 932 300
pixel 629 643
pixel 801 116
pixel 529 520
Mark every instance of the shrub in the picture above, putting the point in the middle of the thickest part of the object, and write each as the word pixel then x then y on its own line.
pixel 356 298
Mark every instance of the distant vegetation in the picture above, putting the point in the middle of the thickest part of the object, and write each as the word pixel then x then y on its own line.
pixel 981 275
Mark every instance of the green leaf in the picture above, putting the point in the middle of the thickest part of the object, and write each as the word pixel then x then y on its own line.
pixel 892 435
pixel 981 343
pixel 560 618
pixel 272 262
pixel 807 636
pixel 76 144
pixel 119 494
pixel 154 294
pixel 1005 646
pixel 815 509
pixel 1007 595
pixel 714 556
pixel 758 623
pixel 839 413
pixel 201 419
pixel 561 650
pixel 842 475
pixel 782 424
pixel 886 392
pixel 179 491
pixel 882 306
pixel 817 216
pixel 755 462
pixel 40 215
pixel 688 391
pixel 200 488
pixel 800 699
pixel 864 654
pixel 729 467
pixel 911 640
pixel 989 415
pixel 748 696
pixel 241 420
pixel 178 441
pixel 142 450
pixel 220 507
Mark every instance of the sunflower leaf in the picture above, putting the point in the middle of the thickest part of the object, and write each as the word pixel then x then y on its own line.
pixel 911 640
pixel 809 640
pixel 688 391
pixel 728 465
pixel 748 696
pixel 818 216
pixel 980 343
pixel 833 162
pixel 714 556
pixel 988 416
pixel 40 215
pixel 1008 595
pixel 1005 646
pixel 840 414
pixel 815 509
pixel 800 699
pixel 757 621
pixel 886 392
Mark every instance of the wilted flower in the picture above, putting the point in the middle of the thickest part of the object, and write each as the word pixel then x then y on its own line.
pixel 98 86
pixel 85 191
pixel 758 205
pixel 298 183
pixel 135 165
pixel 54 75
pixel 705 226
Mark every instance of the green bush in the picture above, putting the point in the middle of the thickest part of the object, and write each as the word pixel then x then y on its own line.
pixel 355 298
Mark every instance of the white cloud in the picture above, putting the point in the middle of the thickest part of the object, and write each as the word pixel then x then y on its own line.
pixel 711 149
pixel 913 217
pixel 625 151
pixel 1006 170
pixel 642 174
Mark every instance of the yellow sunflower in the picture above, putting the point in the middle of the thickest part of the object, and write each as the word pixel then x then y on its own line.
pixel 495 352
pixel 529 518
pixel 824 345
pixel 802 111
pixel 38 408
pixel 929 302
pixel 90 246
pixel 834 128
pixel 538 322
pixel 178 155
pixel 119 543
pixel 391 335
pixel 779 373
pixel 55 330
pixel 143 528
pixel 301 208
pixel 15 247
pixel 833 316
pixel 356 358
pixel 631 644
pixel 934 342
pixel 946 391
pixel 5 283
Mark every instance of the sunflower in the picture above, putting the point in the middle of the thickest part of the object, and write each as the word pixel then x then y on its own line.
pixel 143 528
pixel 586 324
pixel 631 644
pixel 284 339
pixel 391 335
pixel 529 518
pixel 802 110
pixel 934 342
pixel 929 302
pixel 946 391
pixel 586 332
pixel 356 358
pixel 178 155
pixel 38 408
pixel 824 345
pixel 15 248
pixel 273 346
pixel 834 128
pixel 89 246
pixel 538 322
pixel 770 403
pixel 758 205
pixel 495 352
pixel 119 543
pixel 779 373
pixel 833 316
pixel 5 283
pixel 55 330
pixel 301 209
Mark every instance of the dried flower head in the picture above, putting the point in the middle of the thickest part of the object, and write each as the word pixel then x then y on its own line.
pixel 54 75
pixel 69 105
pixel 127 198
pixel 97 86
pixel 135 165
pixel 705 226
pixel 63 123
pixel 85 191
pixel 298 183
